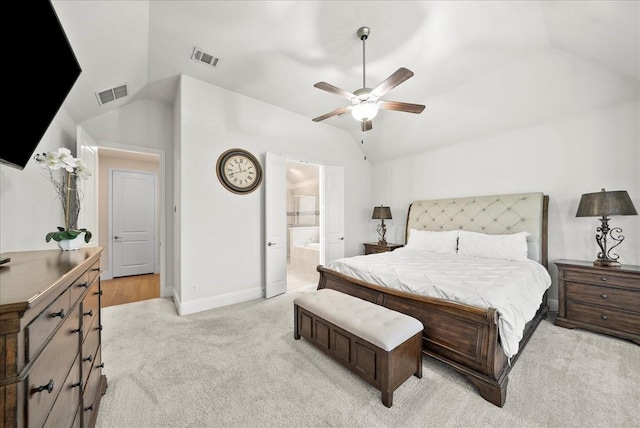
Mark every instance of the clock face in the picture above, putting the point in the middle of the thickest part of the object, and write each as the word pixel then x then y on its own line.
pixel 239 171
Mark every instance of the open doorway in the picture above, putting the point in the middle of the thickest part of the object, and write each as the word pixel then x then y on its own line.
pixel 303 224
pixel 120 285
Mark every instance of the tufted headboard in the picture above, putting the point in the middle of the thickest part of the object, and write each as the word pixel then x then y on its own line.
pixel 494 214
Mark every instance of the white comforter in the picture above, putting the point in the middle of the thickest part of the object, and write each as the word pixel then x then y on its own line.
pixel 514 288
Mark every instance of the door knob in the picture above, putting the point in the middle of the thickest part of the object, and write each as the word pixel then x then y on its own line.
pixel 271 243
pixel 116 237
pixel 341 238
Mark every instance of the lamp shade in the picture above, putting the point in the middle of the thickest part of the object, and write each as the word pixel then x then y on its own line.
pixel 381 213
pixel 605 203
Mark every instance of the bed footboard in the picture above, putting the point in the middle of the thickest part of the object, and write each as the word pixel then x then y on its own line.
pixel 464 337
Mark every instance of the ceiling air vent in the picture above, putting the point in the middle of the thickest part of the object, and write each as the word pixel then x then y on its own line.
pixel 112 94
pixel 200 56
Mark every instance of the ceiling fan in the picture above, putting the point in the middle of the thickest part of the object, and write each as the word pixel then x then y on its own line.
pixel 365 102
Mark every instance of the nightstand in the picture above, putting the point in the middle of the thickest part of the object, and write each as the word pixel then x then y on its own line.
pixel 374 247
pixel 602 299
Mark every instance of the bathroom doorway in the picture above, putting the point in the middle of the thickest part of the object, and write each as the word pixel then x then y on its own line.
pixel 303 224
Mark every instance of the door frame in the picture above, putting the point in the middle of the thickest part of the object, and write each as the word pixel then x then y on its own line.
pixel 156 208
pixel 161 191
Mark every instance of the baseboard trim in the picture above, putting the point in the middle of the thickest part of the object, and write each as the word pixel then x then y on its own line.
pixel 194 306
pixel 553 305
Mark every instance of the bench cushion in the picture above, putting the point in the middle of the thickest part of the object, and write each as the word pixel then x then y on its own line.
pixel 376 324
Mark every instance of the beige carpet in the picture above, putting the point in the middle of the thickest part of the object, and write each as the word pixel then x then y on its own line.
pixel 239 366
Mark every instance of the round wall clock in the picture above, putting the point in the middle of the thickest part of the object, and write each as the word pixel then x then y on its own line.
pixel 239 171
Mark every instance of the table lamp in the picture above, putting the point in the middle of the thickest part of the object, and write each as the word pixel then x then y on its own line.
pixel 606 204
pixel 381 213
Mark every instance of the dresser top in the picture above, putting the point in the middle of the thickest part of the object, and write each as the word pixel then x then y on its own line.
pixel 30 274
pixel 584 264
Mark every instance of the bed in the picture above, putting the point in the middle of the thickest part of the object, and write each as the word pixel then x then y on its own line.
pixel 467 337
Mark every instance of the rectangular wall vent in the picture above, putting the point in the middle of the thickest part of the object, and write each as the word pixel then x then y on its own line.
pixel 112 94
pixel 202 57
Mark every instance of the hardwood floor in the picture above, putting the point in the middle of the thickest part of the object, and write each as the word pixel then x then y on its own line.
pixel 129 289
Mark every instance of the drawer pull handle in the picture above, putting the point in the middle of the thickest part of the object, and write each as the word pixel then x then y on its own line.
pixel 77 330
pixel 604 317
pixel 604 278
pixel 99 293
pixel 99 328
pixel 48 387
pixel 100 366
pixel 88 408
pixel 95 269
pixel 60 314
pixel 84 285
pixel 89 358
pixel 604 296
pixel 77 384
pixel 90 313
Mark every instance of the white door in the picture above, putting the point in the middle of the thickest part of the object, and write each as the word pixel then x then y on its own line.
pixel 88 216
pixel 275 225
pixel 332 215
pixel 133 222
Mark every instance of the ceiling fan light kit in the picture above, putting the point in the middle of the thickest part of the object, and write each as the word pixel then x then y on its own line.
pixel 365 102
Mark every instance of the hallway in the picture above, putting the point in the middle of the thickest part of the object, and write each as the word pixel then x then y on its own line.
pixel 127 289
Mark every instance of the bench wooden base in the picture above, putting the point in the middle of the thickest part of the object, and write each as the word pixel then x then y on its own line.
pixel 385 370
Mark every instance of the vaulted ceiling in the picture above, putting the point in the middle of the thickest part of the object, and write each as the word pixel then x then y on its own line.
pixel 481 68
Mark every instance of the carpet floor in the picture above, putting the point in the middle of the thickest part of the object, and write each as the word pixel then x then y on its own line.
pixel 239 366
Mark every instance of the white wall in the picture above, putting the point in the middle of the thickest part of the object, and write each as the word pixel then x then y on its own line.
pixel 221 233
pixel 563 158
pixel 29 206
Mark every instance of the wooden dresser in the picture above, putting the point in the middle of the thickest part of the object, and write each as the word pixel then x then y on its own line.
pixel 602 299
pixel 50 334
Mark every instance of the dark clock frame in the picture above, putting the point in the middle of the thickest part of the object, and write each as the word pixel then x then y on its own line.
pixel 223 178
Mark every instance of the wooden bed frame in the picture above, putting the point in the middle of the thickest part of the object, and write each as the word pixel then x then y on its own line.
pixel 464 337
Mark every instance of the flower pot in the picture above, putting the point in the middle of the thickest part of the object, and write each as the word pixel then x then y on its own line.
pixel 72 244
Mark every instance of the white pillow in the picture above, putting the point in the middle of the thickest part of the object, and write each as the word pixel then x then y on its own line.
pixel 509 247
pixel 439 242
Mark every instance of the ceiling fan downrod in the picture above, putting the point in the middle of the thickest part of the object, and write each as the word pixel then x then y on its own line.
pixel 363 34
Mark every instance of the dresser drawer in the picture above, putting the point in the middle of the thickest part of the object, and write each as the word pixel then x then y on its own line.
pixel 604 317
pixel 604 296
pixel 90 349
pixel 66 405
pixel 41 327
pixel 50 370
pixel 90 395
pixel 602 278
pixel 90 307
pixel 84 282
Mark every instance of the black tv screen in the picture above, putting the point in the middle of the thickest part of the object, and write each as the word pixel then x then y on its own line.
pixel 43 71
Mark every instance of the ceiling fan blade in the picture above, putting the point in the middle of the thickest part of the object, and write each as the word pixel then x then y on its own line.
pixel 334 90
pixel 336 112
pixel 392 81
pixel 398 106
pixel 366 126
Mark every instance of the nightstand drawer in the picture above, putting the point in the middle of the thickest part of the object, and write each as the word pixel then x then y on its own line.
pixel 603 296
pixel 375 250
pixel 602 278
pixel 603 317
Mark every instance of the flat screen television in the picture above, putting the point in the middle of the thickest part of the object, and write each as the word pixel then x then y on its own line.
pixel 43 72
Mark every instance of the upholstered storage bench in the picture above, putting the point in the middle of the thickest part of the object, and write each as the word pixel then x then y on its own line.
pixel 380 345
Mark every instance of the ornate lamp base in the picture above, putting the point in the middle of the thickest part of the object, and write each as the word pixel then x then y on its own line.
pixel 382 230
pixel 605 257
pixel 607 263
